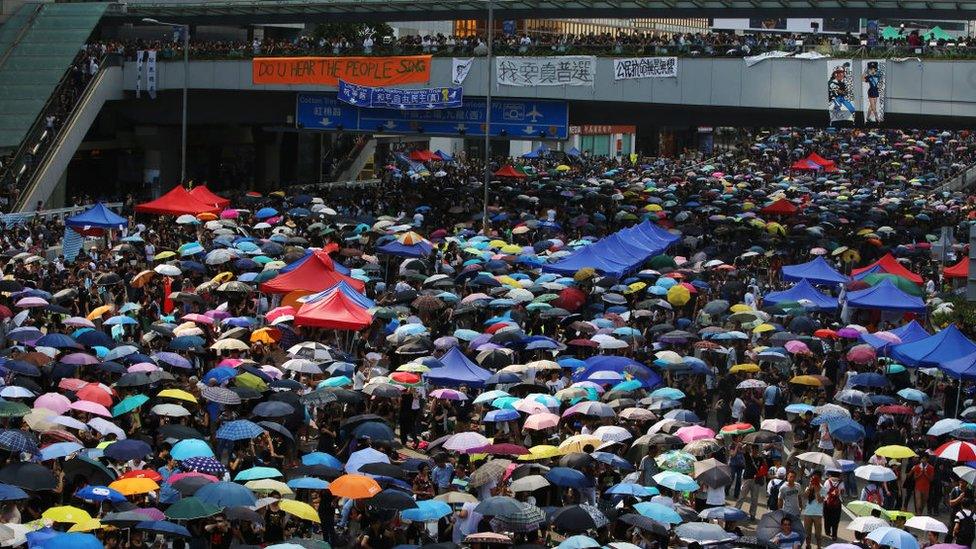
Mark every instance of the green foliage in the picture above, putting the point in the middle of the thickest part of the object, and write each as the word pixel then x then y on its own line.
pixel 962 314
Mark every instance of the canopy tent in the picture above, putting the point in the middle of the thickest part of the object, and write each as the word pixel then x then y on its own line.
pixel 887 264
pixel 177 201
pixel 444 156
pixel 936 33
pixel 339 267
pixel 334 311
pixel 814 162
pixel 886 297
pixel 907 333
pixel 344 287
pixel 620 364
pixel 937 349
pixel 963 367
pixel 397 248
pixel 541 152
pixel 780 207
pixel 814 157
pixel 890 33
pixel 618 253
pixel 959 270
pixel 457 370
pixel 816 271
pixel 509 171
pixel 95 220
pixel 803 290
pixel 205 195
pixel 424 156
pixel 315 274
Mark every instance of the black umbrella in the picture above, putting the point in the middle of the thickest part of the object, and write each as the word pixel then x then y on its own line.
pixel 769 525
pixel 392 500
pixel 181 432
pixel 243 513
pixel 123 519
pixel 578 518
pixel 645 523
pixel 29 476
pixel 383 470
pixel 134 379
pixel 762 437
pixel 320 471
pixel 277 428
pixel 92 471
pixel 353 421
pixel 576 460
pixel 188 486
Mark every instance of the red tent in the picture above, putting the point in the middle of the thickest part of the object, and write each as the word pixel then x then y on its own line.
pixel 314 275
pixel 814 162
pixel 814 157
pixel 424 156
pixel 335 311
pixel 959 270
pixel 806 165
pixel 780 207
pixel 205 195
pixel 888 264
pixel 177 201
pixel 509 171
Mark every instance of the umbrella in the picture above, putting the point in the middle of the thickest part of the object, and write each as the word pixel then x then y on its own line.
pixel 392 499
pixel 427 511
pixel 769 526
pixel 703 533
pixel 893 537
pixel 29 476
pixel 578 518
pixel 128 449
pixel 354 486
pixel 491 471
pixel 191 508
pixel 299 509
pixel 225 494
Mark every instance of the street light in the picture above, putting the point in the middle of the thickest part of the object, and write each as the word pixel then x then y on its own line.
pixel 491 25
pixel 186 77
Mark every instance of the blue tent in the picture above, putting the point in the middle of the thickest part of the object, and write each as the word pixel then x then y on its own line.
pixel 541 152
pixel 618 253
pixel 908 333
pixel 573 151
pixel 444 156
pixel 397 248
pixel 803 290
pixel 457 370
pixel 97 217
pixel 817 271
pixel 961 368
pixel 938 349
pixel 886 297
pixel 345 288
pixel 621 364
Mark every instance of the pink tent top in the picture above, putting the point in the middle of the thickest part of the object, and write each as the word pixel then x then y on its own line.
pixel 890 265
pixel 336 311
pixel 177 201
pixel 317 273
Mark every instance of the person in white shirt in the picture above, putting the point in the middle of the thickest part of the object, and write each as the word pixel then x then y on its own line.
pixel 738 408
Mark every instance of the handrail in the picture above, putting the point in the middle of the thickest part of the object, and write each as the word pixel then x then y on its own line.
pixel 21 34
pixel 107 61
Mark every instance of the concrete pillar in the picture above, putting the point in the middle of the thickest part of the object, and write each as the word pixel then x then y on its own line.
pixel 517 148
pixel 267 165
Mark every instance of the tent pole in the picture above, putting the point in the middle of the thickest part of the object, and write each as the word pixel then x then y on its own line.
pixel 958 393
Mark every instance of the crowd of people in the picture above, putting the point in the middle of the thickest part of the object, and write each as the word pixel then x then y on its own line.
pixel 446 383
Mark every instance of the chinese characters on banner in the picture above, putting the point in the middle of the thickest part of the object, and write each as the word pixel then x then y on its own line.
pixel 873 84
pixel 645 67
pixel 327 71
pixel 569 70
pixel 403 99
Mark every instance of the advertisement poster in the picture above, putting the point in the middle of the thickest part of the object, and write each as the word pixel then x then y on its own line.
pixel 873 84
pixel 840 92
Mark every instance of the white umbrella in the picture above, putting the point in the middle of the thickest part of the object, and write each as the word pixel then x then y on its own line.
pixel 363 457
pixel 866 524
pixel 465 441
pixel 529 483
pixel 168 270
pixel 776 425
pixel 302 365
pixel 170 410
pixel 875 473
pixel 614 433
pixel 819 458
pixel 927 524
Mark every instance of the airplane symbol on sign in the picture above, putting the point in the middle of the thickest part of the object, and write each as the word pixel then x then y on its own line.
pixel 326 121
pixel 390 124
pixel 534 115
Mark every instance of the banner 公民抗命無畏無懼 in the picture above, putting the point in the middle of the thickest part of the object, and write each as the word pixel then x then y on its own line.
pixel 840 91
pixel 645 67
pixel 566 70
pixel 874 81
pixel 400 98
pixel 327 71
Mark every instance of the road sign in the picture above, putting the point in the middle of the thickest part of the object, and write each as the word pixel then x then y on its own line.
pixel 510 118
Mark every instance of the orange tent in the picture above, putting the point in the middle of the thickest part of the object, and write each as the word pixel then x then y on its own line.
pixel 177 201
pixel 959 270
pixel 314 275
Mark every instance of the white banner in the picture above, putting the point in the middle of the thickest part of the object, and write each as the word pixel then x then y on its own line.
pixel 874 80
pixel 460 69
pixel 645 67
pixel 139 54
pixel 840 91
pixel 567 70
pixel 752 60
pixel 151 73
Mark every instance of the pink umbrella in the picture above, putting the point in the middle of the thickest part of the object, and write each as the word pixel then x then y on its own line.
pixel 861 354
pixel 888 336
pixel 272 371
pixel 544 420
pixel 199 318
pixel 151 513
pixel 176 477
pixel 692 433
pixel 230 214
pixel 91 408
pixel 217 315
pixel 448 394
pixel 56 402
pixel 231 362
pixel 81 359
pixel 143 367
pixel 277 312
pixel 465 441
pixel 798 348
pixel 530 407
pixel 79 322
pixel 29 302
pixel 71 384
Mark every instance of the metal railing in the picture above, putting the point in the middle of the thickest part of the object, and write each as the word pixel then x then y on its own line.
pixel 23 168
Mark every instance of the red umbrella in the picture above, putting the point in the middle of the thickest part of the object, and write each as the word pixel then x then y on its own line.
pixel 93 392
pixel 502 449
pixel 143 473
pixel 5 312
pixel 826 332
pixel 896 409
pixel 570 299
pixel 405 377
pixel 862 354
pixel 583 343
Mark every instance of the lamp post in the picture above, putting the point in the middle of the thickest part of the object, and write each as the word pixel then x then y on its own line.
pixel 488 80
pixel 186 76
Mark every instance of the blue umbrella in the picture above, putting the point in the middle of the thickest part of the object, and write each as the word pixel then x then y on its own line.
pixel 375 430
pixel 633 490
pixel 225 494
pixel 427 510
pixel 845 429
pixel 25 333
pixel 59 450
pixel 220 374
pixel 58 341
pixel 669 393
pixel 683 415
pixel 257 473
pixel 240 429
pixel 798 408
pixel 121 320
pixel 308 483
pixel 163 527
pixel 893 537
pixel 678 482
pixel 99 494
pixel 507 414
pixel 704 532
pixel 724 513
pixel 613 460
pixel 191 448
pixel 206 465
pixel 321 458
pixel 913 395
pixel 868 379
pixel 16 440
pixel 9 492
pixel 578 542
pixel 172 359
pixel 126 449
pixel 567 477
pixel 71 540
pixel 658 512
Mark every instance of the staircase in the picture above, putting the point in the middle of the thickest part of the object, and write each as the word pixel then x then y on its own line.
pixel 359 158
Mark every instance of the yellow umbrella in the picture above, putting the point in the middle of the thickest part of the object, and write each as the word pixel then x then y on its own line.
pixel 809 381
pixel 511 249
pixel 269 485
pixel 895 452
pixel 413 367
pixel 542 451
pixel 165 254
pixel 497 243
pixel 678 295
pixel 178 394
pixel 740 308
pixel 86 526
pixel 222 277
pixel 744 368
pixel 66 513
pixel 134 486
pixel 99 311
pixel 775 228
pixel 653 208
pixel 562 168
pixel 299 509
pixel 635 287
pixel 577 443
pixel 229 344
pixel 142 278
pixel 764 327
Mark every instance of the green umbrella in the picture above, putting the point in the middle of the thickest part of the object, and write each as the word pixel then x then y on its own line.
pixel 128 404
pixel 251 381
pixel 191 508
pixel 13 409
pixel 890 33
pixel 902 284
pixel 659 262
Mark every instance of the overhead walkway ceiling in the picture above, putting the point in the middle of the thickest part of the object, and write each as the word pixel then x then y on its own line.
pixel 300 11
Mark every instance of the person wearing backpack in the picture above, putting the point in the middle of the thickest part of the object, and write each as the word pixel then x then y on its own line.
pixel 965 529
pixel 772 489
pixel 832 489
pixel 753 475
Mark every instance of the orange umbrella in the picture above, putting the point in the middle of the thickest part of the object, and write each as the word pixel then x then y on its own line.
pixel 134 486
pixel 142 279
pixel 354 487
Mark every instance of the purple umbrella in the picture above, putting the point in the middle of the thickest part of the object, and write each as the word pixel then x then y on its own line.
pixel 80 359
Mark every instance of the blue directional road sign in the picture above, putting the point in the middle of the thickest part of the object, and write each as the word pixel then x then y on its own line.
pixel 510 118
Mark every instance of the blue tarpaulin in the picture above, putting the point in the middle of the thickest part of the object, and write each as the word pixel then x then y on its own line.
pixel 936 350
pixel 457 370
pixel 817 271
pixel 541 152
pixel 397 248
pixel 886 297
pixel 97 217
pixel 620 364
pixel 618 253
pixel 908 333
pixel 803 291
pixel 961 368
